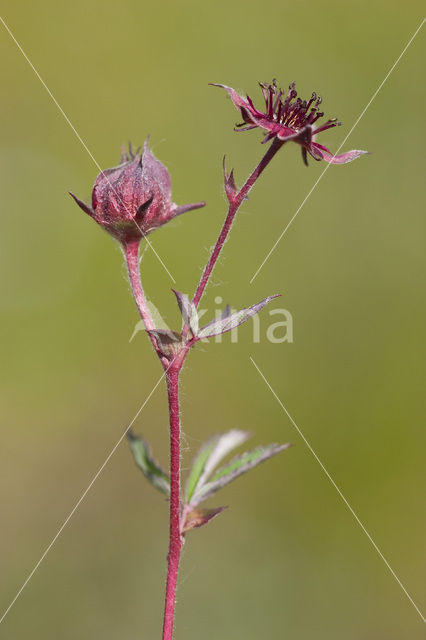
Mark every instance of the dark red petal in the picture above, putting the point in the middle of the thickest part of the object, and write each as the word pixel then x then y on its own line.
pixel 303 136
pixel 250 101
pixel 315 152
pixel 248 115
pixel 327 125
pixel 286 134
pixel 268 137
pixel 317 145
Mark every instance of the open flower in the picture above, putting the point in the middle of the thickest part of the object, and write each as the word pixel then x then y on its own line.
pixel 287 117
pixel 134 198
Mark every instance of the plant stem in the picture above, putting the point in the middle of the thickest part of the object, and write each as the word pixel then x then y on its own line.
pixel 172 372
pixel 131 253
pixel 172 375
pixel 175 542
pixel 234 205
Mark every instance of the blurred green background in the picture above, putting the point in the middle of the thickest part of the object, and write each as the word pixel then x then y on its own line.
pixel 287 560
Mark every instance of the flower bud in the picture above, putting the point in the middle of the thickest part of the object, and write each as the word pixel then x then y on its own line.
pixel 133 199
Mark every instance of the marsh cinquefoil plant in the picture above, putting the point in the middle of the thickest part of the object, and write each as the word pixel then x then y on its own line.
pixel 134 199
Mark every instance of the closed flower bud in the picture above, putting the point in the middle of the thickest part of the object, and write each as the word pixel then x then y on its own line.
pixel 133 199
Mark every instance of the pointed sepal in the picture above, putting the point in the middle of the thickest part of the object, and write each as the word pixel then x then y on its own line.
pixel 343 158
pixel 82 205
pixel 178 210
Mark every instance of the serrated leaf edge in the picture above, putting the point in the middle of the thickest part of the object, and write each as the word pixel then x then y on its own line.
pixel 211 487
pixel 231 321
pixel 230 440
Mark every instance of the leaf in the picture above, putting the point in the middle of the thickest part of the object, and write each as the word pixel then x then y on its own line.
pixel 200 517
pixel 188 311
pixel 235 468
pixel 228 322
pixel 146 463
pixel 209 456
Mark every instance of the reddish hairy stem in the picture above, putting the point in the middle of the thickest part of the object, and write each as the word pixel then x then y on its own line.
pixel 234 205
pixel 131 252
pixel 172 371
pixel 175 542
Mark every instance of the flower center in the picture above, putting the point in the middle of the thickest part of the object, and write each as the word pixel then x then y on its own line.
pixel 290 111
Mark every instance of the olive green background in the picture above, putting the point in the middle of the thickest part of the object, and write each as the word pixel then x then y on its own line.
pixel 287 560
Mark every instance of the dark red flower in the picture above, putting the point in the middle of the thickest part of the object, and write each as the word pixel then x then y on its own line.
pixel 287 117
pixel 133 199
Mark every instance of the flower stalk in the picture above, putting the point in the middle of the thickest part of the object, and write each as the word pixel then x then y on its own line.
pixel 131 252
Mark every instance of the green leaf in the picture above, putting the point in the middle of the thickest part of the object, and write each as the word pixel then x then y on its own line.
pixel 231 320
pixel 235 468
pixel 198 466
pixel 209 456
pixel 146 463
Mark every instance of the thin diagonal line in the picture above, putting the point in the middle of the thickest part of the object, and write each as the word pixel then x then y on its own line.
pixel 80 139
pixel 343 142
pixel 338 490
pixel 80 500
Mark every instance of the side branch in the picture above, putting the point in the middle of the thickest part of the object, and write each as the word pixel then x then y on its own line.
pixel 234 205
